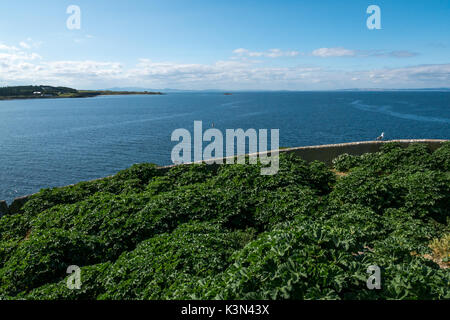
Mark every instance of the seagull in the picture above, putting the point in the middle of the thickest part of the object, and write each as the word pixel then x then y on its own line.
pixel 381 137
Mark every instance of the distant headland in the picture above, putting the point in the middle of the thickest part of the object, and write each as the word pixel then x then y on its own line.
pixel 46 92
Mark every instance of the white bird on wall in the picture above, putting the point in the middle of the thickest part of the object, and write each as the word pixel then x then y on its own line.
pixel 381 137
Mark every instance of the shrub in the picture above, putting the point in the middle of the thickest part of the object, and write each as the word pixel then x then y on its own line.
pixel 91 286
pixel 345 162
pixel 132 179
pixel 441 157
pixel 158 265
pixel 208 232
pixel 45 257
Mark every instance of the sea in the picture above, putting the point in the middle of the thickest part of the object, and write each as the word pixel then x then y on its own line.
pixel 47 143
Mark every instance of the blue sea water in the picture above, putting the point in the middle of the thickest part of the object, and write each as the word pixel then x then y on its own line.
pixel 56 142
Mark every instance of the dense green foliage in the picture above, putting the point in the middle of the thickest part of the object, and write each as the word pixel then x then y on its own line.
pixel 29 90
pixel 227 232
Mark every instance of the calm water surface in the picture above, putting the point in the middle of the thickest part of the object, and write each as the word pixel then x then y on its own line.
pixel 55 142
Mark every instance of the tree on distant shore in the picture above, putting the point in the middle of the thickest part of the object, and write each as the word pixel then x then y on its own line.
pixel 30 90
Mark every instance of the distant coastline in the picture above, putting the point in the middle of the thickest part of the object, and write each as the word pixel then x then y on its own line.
pixel 50 92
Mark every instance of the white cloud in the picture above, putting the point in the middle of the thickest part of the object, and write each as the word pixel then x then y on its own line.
pixel 241 75
pixel 21 67
pixel 16 64
pixel 438 74
pixel 19 56
pixel 343 52
pixel 83 38
pixel 30 44
pixel 396 54
pixel 83 68
pixel 241 51
pixel 4 47
pixel 333 52
pixel 271 53
pixel 24 45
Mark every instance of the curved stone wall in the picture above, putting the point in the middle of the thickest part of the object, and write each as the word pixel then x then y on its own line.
pixel 326 153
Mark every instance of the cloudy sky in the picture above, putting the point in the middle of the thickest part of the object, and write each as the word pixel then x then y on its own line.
pixel 232 44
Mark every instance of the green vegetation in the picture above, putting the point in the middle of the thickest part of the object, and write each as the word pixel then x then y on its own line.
pixel 36 92
pixel 226 232
pixel 25 92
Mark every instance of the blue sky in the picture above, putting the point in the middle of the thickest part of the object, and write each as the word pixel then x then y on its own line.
pixel 196 44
